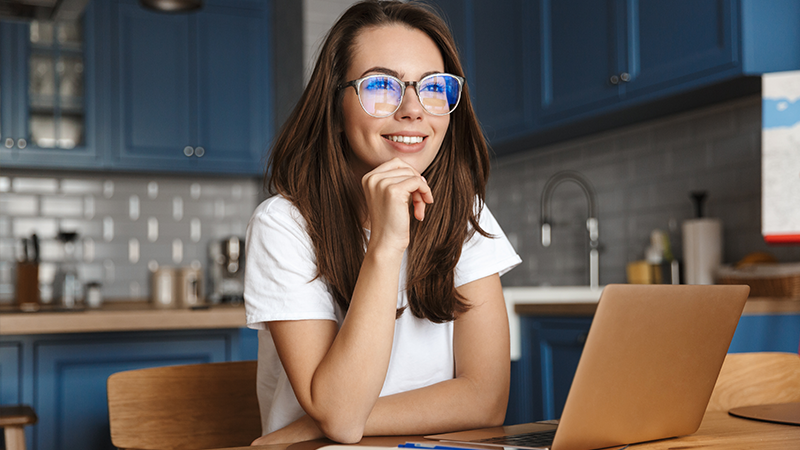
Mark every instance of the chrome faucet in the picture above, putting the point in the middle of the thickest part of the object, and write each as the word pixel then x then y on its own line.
pixel 591 222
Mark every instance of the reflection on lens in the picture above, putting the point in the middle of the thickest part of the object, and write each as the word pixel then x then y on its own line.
pixel 380 95
pixel 439 94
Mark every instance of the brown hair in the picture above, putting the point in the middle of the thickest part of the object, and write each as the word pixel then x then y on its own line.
pixel 309 165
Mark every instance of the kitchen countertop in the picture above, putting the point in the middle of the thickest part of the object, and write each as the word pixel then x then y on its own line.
pixel 119 316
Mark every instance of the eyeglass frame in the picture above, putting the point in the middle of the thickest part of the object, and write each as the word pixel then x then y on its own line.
pixel 357 86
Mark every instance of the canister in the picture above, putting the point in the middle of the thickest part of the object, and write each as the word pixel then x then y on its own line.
pixel 162 292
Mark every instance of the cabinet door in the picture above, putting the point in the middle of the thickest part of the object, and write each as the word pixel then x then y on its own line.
pixel 153 85
pixel 678 42
pixel 71 372
pixel 551 349
pixel 233 113
pixel 50 94
pixel 10 369
pixel 582 47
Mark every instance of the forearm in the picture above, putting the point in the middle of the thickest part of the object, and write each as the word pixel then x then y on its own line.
pixel 349 378
pixel 457 404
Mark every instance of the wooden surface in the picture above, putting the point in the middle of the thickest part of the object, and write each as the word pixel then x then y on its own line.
pixel 17 415
pixel 754 306
pixel 123 317
pixel 193 406
pixel 13 419
pixel 718 431
pixel 756 379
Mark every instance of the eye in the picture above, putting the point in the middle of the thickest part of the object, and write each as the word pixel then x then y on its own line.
pixel 379 83
pixel 434 86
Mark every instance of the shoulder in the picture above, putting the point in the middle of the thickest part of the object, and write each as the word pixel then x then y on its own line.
pixel 276 218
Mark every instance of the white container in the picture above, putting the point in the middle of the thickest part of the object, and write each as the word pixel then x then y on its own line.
pixel 162 292
pixel 702 250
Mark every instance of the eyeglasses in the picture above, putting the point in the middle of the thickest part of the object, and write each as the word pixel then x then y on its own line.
pixel 381 95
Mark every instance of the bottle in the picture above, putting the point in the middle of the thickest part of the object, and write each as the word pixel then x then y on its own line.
pixel 67 289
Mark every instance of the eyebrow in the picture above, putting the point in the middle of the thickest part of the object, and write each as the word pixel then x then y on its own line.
pixel 393 73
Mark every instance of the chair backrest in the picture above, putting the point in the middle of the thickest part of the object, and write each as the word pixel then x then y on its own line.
pixel 756 379
pixel 194 406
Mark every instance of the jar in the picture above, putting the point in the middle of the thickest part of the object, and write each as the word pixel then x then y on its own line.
pixel 162 287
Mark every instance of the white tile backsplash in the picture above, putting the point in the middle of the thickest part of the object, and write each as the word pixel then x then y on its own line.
pixel 123 222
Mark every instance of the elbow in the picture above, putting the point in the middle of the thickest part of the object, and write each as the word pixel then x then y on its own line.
pixel 342 431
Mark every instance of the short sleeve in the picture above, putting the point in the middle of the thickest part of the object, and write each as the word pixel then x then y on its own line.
pixel 482 256
pixel 280 280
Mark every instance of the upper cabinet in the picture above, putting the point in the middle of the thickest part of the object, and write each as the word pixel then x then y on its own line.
pixel 544 70
pixel 47 93
pixel 599 53
pixel 190 91
pixel 130 89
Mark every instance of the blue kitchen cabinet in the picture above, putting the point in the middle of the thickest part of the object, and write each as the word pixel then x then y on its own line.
pixel 191 91
pixel 551 348
pixel 64 376
pixel 10 369
pixel 600 54
pixel 767 333
pixel 58 126
pixel 546 70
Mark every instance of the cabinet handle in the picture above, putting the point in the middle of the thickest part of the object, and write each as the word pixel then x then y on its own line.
pixel 188 151
pixel 581 338
pixel 22 143
pixel 614 79
pixel 9 143
pixel 199 152
pixel 625 76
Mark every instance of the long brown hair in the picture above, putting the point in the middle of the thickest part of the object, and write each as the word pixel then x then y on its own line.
pixel 309 165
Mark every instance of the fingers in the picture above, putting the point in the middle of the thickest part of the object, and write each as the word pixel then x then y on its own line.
pixel 396 174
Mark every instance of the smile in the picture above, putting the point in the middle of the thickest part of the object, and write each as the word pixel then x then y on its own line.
pixel 405 139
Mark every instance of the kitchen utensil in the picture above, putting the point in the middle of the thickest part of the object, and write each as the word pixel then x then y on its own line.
pixel 188 287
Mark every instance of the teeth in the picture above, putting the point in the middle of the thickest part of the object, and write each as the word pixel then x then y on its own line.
pixel 406 139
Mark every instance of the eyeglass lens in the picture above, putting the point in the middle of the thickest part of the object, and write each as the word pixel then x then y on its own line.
pixel 381 95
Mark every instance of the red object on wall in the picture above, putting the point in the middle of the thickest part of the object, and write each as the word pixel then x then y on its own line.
pixel 782 238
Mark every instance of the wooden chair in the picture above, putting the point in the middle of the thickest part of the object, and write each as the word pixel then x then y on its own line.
pixel 756 379
pixel 13 420
pixel 194 406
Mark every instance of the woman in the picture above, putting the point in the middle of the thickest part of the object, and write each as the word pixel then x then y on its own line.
pixel 374 322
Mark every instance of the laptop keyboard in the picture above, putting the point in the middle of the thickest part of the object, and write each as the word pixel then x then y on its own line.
pixel 534 439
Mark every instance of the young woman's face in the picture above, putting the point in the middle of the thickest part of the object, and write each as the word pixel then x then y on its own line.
pixel 408 54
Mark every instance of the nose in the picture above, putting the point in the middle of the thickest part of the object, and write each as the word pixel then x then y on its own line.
pixel 410 106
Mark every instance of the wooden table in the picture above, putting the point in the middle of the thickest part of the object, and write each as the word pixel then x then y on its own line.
pixel 718 431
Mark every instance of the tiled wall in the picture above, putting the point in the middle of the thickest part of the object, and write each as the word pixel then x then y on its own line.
pixel 643 175
pixel 127 225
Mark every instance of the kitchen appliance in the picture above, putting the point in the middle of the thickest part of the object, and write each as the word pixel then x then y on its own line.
pixel 67 287
pixel 226 271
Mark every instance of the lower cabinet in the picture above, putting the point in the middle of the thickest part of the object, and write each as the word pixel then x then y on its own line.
pixel 540 380
pixel 552 346
pixel 64 376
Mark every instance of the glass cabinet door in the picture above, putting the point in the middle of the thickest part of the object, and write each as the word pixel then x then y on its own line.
pixel 56 85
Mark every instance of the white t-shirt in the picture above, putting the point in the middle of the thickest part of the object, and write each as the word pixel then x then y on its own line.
pixel 280 284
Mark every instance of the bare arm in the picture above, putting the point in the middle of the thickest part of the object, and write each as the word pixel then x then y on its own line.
pixel 337 376
pixel 476 397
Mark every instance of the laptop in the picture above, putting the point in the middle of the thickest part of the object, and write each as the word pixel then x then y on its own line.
pixel 647 370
